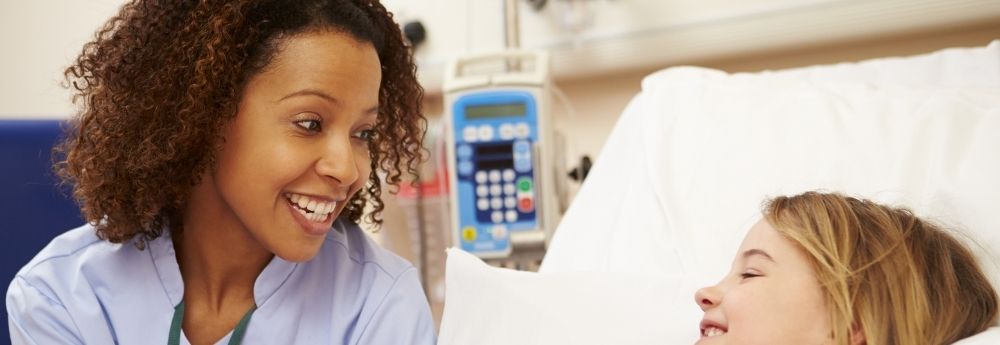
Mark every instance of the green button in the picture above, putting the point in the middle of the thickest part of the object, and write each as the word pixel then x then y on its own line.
pixel 524 184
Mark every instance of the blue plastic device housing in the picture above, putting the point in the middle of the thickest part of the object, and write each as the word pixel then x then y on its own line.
pixel 495 135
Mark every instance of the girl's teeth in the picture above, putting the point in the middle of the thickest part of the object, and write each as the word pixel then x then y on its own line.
pixel 712 331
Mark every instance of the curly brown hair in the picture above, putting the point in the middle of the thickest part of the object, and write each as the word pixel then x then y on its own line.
pixel 162 78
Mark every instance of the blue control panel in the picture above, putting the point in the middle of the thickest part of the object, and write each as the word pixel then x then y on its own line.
pixel 495 132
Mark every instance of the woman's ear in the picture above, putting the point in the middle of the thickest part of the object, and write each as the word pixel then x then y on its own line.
pixel 858 335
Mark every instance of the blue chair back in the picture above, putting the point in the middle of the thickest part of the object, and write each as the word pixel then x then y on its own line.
pixel 33 209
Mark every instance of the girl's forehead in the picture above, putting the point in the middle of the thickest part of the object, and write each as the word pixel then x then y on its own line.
pixel 764 237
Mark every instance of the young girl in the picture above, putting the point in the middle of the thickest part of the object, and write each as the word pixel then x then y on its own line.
pixel 223 153
pixel 829 269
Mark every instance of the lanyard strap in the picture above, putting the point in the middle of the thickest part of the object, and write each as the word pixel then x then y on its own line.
pixel 175 326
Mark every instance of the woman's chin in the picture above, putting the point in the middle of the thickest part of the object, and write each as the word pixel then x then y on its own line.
pixel 299 252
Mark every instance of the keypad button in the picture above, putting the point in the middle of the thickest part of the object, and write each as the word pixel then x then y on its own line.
pixel 494 176
pixel 464 152
pixel 508 189
pixel 508 175
pixel 526 205
pixel 496 203
pixel 485 133
pixel 497 216
pixel 499 231
pixel 483 204
pixel 495 190
pixel 469 234
pixel 506 131
pixel 522 147
pixel 522 130
pixel 470 134
pixel 511 216
pixel 522 165
pixel 480 176
pixel 524 184
pixel 482 190
pixel 464 168
pixel 510 202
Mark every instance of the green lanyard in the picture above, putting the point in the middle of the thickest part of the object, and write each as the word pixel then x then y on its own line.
pixel 175 326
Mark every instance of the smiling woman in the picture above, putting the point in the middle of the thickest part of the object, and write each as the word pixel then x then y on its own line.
pixel 830 269
pixel 222 155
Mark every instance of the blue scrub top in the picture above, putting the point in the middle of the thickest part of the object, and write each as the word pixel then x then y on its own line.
pixel 83 290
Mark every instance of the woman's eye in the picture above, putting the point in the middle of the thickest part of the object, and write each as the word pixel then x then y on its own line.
pixel 748 275
pixel 366 135
pixel 309 125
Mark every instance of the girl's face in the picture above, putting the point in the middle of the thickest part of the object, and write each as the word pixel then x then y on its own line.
pixel 771 296
pixel 298 148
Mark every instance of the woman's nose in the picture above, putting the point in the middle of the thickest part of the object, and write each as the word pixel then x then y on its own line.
pixel 339 162
pixel 707 297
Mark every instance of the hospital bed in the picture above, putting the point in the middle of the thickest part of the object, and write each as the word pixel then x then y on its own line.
pixel 683 174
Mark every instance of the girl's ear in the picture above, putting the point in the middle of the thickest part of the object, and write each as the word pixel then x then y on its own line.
pixel 857 335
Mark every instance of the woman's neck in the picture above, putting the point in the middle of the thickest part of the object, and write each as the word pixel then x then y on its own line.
pixel 218 258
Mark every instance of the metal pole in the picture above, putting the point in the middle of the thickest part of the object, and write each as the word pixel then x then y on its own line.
pixel 511 26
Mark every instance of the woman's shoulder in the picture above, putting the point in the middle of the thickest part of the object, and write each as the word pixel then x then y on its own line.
pixel 65 247
pixel 71 253
pixel 83 288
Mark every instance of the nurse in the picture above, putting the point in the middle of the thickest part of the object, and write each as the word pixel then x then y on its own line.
pixel 222 155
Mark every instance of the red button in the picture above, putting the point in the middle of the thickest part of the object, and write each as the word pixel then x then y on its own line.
pixel 525 205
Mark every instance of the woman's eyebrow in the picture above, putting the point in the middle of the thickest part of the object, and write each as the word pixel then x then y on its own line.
pixel 313 92
pixel 310 92
pixel 752 252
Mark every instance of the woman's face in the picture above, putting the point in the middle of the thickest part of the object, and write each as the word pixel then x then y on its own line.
pixel 771 296
pixel 297 149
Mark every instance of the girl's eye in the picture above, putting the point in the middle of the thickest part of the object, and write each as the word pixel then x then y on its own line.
pixel 310 125
pixel 748 275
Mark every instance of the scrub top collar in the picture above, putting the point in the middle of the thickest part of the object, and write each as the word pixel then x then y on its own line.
pixel 164 259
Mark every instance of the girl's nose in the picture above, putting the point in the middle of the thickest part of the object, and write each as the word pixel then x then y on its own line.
pixel 706 297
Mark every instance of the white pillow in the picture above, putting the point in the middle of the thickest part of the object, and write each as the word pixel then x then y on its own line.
pixel 718 146
pixel 988 337
pixel 614 220
pixel 489 305
pixel 977 67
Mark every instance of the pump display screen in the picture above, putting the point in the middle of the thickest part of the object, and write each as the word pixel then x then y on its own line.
pixel 495 110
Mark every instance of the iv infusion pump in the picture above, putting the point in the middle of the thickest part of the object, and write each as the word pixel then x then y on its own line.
pixel 498 139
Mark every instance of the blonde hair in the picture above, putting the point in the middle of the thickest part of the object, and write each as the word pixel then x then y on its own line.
pixel 897 278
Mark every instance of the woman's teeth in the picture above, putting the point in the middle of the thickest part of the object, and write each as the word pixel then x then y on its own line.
pixel 713 331
pixel 312 209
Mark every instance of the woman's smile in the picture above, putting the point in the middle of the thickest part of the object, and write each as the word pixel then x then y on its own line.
pixel 314 214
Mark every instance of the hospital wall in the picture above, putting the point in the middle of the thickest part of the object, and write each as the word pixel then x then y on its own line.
pixel 39 40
